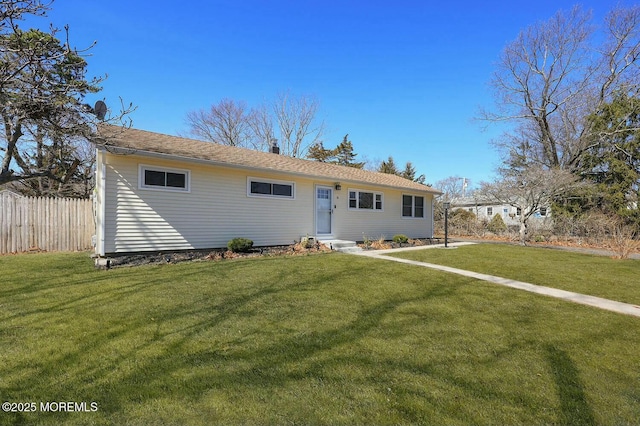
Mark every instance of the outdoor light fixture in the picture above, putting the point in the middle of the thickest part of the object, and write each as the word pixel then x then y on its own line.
pixel 338 186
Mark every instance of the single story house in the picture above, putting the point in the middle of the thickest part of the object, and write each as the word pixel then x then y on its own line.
pixel 156 192
pixel 486 210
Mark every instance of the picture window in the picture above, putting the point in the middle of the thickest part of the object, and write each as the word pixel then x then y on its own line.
pixel 365 200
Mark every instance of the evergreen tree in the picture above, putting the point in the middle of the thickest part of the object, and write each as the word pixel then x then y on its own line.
pixel 319 153
pixel 344 154
pixel 612 161
pixel 409 171
pixel 388 167
pixel 46 122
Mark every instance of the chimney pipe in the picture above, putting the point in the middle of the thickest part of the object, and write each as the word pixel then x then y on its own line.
pixel 275 149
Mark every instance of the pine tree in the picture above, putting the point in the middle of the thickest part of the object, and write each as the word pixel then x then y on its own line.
pixel 344 154
pixel 388 167
pixel 319 153
pixel 409 171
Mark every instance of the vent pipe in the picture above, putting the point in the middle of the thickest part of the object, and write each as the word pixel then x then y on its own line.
pixel 275 149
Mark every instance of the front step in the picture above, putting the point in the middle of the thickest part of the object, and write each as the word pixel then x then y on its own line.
pixel 342 246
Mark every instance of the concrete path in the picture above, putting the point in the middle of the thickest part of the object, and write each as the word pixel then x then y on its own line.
pixel 598 302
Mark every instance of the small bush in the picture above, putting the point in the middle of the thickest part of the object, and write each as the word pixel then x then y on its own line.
pixel 240 245
pixel 497 225
pixel 400 239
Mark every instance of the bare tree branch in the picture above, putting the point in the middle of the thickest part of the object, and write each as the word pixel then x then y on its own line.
pixel 297 123
pixel 552 77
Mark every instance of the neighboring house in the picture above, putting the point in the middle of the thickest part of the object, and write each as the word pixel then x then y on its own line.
pixel 156 192
pixel 485 210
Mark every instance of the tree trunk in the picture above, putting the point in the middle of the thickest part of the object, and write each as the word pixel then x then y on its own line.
pixel 523 232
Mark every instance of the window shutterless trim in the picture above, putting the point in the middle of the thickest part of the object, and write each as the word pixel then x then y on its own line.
pixel 270 188
pixel 166 178
pixel 354 203
pixel 404 212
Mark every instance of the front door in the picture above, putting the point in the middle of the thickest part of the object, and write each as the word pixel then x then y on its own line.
pixel 324 209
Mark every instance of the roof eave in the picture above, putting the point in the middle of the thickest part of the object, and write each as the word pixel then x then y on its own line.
pixel 117 150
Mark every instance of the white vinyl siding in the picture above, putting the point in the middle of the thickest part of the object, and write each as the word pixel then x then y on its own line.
pixel 352 224
pixel 217 208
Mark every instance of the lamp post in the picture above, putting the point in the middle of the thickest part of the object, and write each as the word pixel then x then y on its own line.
pixel 446 206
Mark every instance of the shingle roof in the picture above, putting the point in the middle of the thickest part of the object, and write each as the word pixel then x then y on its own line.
pixel 119 140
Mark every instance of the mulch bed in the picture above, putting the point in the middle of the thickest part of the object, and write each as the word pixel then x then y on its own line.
pixel 212 255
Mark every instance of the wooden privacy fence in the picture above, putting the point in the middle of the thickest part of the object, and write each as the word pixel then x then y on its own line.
pixel 38 223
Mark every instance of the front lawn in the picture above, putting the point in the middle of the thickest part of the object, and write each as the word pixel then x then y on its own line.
pixel 325 339
pixel 600 276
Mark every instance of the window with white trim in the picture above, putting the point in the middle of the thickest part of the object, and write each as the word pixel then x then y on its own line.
pixel 489 211
pixel 258 187
pixel 152 177
pixel 543 211
pixel 412 206
pixel 365 200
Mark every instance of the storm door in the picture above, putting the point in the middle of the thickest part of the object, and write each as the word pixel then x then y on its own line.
pixel 324 209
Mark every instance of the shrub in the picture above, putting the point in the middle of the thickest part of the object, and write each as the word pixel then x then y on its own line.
pixel 240 245
pixel 366 241
pixel 462 222
pixel 497 225
pixel 400 239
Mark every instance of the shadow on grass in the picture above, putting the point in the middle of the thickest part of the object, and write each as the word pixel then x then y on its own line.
pixel 188 341
pixel 253 329
pixel 574 407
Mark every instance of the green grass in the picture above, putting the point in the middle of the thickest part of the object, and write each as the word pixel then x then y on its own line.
pixel 593 275
pixel 326 339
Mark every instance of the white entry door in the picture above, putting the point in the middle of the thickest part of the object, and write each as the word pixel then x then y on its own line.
pixel 324 209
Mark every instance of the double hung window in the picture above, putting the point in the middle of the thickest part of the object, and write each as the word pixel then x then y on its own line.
pixel 412 206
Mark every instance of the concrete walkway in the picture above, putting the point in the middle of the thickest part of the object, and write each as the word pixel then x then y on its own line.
pixel 598 302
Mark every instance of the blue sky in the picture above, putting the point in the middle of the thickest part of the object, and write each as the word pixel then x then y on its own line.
pixel 402 78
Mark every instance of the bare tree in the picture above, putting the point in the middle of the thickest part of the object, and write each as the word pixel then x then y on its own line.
pixel 553 76
pixel 261 124
pixel 528 190
pixel 288 120
pixel 297 122
pixel 225 123
pixel 453 187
